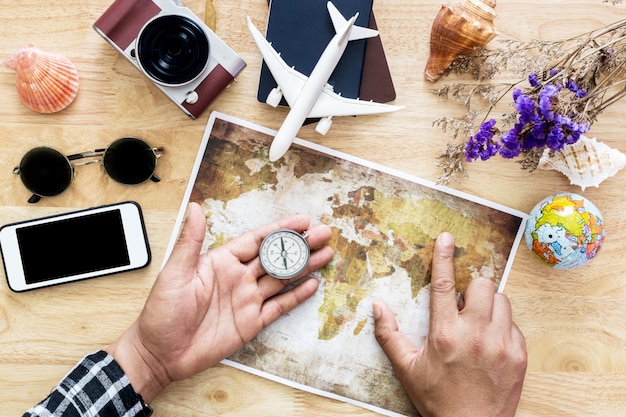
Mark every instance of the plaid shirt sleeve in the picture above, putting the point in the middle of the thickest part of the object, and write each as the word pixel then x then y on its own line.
pixel 96 386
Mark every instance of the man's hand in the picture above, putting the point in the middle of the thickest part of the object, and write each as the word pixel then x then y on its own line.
pixel 203 308
pixel 474 359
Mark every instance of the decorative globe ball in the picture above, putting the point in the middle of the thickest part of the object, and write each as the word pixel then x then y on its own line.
pixel 565 231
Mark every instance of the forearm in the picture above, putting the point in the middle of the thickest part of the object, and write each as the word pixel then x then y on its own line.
pixel 97 385
pixel 145 373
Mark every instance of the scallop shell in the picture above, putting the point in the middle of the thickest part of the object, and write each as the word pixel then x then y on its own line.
pixel 45 82
pixel 586 163
pixel 457 30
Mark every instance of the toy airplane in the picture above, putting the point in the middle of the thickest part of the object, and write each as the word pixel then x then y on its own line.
pixel 312 96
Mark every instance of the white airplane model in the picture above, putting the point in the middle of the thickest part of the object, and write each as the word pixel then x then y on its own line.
pixel 312 96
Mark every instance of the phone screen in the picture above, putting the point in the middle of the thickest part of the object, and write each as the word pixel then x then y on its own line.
pixel 73 246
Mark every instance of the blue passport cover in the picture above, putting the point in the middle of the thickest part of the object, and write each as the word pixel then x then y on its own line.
pixel 301 30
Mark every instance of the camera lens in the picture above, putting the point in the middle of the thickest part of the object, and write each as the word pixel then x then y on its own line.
pixel 173 50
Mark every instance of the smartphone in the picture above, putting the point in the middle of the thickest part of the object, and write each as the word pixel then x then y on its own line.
pixel 74 246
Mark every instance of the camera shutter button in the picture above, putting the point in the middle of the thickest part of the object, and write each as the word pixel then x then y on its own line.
pixel 191 97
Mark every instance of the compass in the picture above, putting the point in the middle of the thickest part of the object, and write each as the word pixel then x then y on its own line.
pixel 284 253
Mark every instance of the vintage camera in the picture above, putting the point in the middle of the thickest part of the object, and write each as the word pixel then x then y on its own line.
pixel 168 43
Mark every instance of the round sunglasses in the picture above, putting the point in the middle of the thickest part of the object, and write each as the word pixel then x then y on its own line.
pixel 47 172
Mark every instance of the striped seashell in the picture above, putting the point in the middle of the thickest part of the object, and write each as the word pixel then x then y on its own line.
pixel 45 82
pixel 586 163
pixel 457 30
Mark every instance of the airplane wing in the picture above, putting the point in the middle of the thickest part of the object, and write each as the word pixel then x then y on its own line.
pixel 288 79
pixel 291 82
pixel 331 104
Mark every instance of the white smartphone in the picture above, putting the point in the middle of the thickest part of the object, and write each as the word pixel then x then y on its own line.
pixel 74 246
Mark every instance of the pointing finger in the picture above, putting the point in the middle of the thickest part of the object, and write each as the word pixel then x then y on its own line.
pixel 443 302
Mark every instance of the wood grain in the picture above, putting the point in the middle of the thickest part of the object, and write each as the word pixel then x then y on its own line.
pixel 574 322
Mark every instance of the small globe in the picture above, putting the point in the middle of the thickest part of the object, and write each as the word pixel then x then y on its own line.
pixel 565 231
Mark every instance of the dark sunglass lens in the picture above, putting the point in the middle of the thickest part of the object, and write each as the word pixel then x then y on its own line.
pixel 129 161
pixel 45 171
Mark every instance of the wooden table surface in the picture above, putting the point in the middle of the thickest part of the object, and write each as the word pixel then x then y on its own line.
pixel 574 322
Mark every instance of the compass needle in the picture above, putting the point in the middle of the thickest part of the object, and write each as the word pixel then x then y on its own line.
pixel 284 254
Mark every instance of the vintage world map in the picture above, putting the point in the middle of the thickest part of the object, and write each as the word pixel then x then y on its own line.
pixel 384 225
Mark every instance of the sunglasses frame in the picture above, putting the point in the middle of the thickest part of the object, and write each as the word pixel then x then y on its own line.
pixel 97 153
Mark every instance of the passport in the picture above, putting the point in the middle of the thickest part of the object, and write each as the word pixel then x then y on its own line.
pixel 300 31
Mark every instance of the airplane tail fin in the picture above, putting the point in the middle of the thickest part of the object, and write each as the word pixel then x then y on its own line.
pixel 339 22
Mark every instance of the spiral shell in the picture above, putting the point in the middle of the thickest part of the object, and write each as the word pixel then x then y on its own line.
pixel 457 30
pixel 45 82
pixel 586 163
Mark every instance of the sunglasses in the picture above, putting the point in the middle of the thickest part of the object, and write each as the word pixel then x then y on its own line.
pixel 47 172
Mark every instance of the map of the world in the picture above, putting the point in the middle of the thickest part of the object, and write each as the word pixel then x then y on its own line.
pixel 384 224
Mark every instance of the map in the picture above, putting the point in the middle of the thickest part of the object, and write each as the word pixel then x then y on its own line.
pixel 384 224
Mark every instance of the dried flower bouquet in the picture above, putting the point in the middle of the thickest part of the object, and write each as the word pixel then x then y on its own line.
pixel 563 86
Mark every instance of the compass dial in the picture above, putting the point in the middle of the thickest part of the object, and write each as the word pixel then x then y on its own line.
pixel 284 254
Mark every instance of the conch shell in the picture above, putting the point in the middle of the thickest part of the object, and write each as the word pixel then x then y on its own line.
pixel 586 163
pixel 46 83
pixel 457 30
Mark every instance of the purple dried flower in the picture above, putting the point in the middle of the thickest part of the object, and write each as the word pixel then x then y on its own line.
pixel 539 125
pixel 524 105
pixel 571 85
pixel 537 136
pixel 510 146
pixel 574 88
pixel 546 97
pixel 556 106
pixel 533 80
pixel 556 138
pixel 481 145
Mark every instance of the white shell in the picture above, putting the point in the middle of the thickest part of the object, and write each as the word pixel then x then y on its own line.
pixel 586 163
